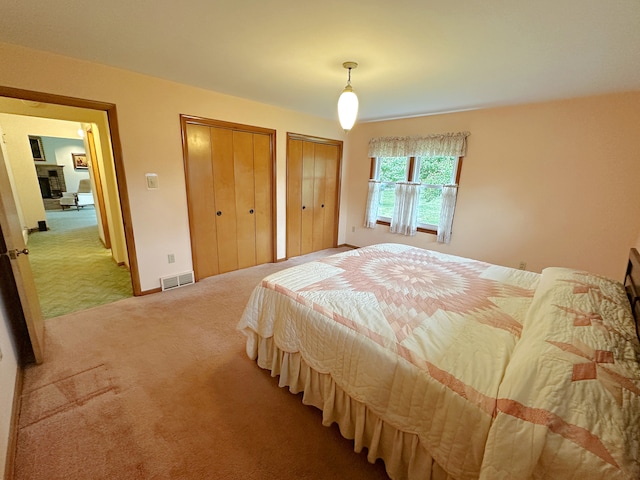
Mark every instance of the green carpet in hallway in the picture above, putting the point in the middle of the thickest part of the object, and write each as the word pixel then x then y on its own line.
pixel 71 268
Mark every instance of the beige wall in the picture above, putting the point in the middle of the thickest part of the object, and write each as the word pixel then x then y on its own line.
pixel 148 114
pixel 548 184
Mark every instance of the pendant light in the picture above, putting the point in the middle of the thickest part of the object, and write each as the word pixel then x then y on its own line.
pixel 348 102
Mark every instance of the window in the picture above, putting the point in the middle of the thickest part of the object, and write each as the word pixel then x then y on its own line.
pixel 431 172
pixel 389 171
pixel 419 176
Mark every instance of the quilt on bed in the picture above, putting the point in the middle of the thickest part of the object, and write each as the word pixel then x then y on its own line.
pixel 424 339
pixel 569 404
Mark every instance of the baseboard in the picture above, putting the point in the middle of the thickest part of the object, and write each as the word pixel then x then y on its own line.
pixel 13 429
pixel 149 292
pixel 284 259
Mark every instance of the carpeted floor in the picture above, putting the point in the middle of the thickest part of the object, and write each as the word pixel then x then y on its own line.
pixel 72 269
pixel 159 387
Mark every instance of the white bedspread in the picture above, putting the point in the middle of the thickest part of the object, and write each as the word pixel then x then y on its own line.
pixel 569 404
pixel 424 340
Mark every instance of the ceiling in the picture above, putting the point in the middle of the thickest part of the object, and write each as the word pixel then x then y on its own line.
pixel 415 57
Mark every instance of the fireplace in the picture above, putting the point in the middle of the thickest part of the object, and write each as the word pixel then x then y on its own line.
pixel 45 187
pixel 51 180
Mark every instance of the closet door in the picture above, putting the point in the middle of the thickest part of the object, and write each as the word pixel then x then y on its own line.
pixel 319 191
pixel 307 194
pixel 331 191
pixel 224 190
pixel 294 196
pixel 229 174
pixel 313 179
pixel 245 198
pixel 263 206
pixel 201 200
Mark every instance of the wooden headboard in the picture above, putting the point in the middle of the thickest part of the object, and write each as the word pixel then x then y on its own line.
pixel 632 285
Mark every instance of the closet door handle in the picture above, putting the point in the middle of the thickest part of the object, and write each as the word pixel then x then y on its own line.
pixel 322 205
pixel 303 207
pixel 251 211
pixel 218 213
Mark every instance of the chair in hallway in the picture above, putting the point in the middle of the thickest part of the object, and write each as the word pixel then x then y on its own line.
pixel 79 199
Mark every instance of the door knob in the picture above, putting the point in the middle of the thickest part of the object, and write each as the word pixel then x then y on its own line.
pixel 251 211
pixel 13 254
pixel 322 205
pixel 218 213
pixel 303 207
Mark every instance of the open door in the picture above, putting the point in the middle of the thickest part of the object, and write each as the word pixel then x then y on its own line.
pixel 97 181
pixel 13 248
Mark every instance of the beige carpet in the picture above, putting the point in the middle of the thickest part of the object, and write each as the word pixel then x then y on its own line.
pixel 159 387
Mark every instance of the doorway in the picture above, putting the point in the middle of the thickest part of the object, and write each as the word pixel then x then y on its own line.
pixel 101 118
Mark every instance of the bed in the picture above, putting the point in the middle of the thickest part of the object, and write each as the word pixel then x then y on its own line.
pixel 451 368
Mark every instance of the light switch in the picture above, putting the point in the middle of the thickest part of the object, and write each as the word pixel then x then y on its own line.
pixel 152 181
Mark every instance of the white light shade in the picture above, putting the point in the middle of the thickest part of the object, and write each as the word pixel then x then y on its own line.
pixel 347 108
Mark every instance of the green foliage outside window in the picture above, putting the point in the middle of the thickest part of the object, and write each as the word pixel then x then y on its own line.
pixel 387 199
pixel 393 169
pixel 436 170
pixel 430 206
pixel 433 173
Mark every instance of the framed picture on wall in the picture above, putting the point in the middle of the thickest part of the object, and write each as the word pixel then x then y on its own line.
pixel 36 148
pixel 80 161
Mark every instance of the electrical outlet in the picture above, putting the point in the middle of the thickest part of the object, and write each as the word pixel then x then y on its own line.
pixel 172 258
pixel 523 266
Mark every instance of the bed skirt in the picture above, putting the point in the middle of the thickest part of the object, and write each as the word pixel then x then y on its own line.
pixel 402 453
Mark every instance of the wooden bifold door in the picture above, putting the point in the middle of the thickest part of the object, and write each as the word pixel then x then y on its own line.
pixel 313 193
pixel 229 176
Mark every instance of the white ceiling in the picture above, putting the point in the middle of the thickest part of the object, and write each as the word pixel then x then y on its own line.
pixel 416 56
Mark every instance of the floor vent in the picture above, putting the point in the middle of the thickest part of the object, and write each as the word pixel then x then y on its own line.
pixel 175 281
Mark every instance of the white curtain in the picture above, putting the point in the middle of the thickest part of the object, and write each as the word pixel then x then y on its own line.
pixel 440 145
pixel 449 195
pixel 405 210
pixel 373 201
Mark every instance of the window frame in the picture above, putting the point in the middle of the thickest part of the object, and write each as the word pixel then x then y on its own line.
pixel 411 174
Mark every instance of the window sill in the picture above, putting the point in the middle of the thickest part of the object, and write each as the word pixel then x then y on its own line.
pixel 420 229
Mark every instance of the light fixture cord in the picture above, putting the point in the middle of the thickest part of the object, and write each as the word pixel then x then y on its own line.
pixel 349 81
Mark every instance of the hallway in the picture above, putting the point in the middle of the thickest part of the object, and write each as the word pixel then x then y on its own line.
pixel 71 268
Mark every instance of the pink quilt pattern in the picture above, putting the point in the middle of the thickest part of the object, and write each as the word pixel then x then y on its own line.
pixel 411 287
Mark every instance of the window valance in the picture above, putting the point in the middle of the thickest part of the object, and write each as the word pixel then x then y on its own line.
pixel 439 145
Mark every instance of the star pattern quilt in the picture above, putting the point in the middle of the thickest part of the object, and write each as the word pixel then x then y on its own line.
pixel 501 373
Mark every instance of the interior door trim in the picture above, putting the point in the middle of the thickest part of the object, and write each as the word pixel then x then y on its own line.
pixel 324 141
pixel 116 145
